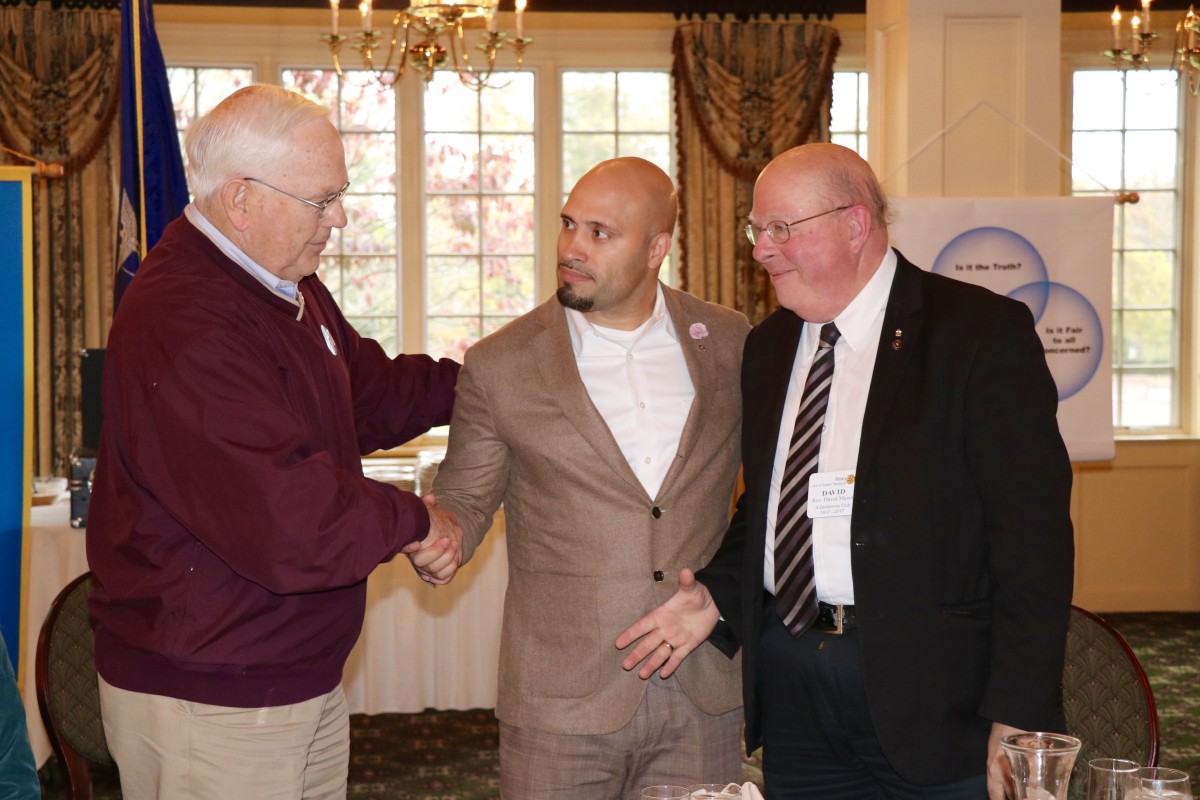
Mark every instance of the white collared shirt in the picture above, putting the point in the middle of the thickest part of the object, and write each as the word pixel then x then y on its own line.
pixel 284 288
pixel 639 382
pixel 860 324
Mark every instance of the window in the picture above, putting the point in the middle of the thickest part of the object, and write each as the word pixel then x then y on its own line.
pixel 848 120
pixel 479 211
pixel 359 265
pixel 1126 136
pixel 608 114
pixel 195 90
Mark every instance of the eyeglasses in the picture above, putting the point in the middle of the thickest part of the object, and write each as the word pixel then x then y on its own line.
pixel 322 206
pixel 779 232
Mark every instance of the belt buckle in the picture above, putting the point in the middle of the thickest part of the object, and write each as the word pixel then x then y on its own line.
pixel 831 618
pixel 837 616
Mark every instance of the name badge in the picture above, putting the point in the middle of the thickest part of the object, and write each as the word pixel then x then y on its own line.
pixel 831 494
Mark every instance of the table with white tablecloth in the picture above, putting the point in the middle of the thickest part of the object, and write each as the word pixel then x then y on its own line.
pixel 421 646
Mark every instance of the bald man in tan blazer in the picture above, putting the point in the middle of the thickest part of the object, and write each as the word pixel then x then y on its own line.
pixel 614 474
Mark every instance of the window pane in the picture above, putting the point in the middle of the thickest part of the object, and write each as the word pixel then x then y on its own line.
pixel 510 106
pixel 367 108
pixel 370 288
pixel 1126 136
pixel 451 336
pixel 589 101
pixel 371 226
pixel 508 224
pixel 1097 160
pixel 451 224
pixel 1152 99
pixel 452 162
pixel 507 162
pixel 1097 100
pixel 479 183
pixel 1150 223
pixel 1150 159
pixel 452 285
pixel 457 107
pixel 652 147
pixel 1146 398
pixel 644 101
pixel 507 285
pixel 1148 336
pixel 371 161
pixel 1149 279
pixel 581 152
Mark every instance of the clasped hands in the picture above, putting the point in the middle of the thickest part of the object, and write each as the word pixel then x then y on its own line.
pixel 438 556
pixel 667 634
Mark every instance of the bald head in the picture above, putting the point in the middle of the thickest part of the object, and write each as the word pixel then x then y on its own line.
pixel 617 225
pixel 839 173
pixel 643 187
pixel 831 218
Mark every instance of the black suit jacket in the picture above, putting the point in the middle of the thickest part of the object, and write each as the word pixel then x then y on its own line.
pixel 962 550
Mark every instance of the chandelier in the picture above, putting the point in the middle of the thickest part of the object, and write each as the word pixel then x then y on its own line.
pixel 416 38
pixel 1141 38
pixel 1187 49
pixel 1186 55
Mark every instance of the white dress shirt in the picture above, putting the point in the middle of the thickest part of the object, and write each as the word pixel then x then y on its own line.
pixel 860 324
pixel 639 382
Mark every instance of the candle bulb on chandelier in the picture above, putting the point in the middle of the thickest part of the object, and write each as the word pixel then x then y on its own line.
pixel 1116 29
pixel 520 18
pixel 1135 43
pixel 364 8
pixel 333 13
pixel 1146 15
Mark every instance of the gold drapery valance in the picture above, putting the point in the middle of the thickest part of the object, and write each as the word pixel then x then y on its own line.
pixel 59 96
pixel 745 92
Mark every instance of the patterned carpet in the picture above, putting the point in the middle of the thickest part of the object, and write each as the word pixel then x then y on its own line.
pixel 451 755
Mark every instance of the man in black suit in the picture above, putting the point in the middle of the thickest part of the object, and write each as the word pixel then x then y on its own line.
pixel 943 563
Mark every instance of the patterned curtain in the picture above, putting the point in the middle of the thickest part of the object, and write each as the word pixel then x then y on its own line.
pixel 745 92
pixel 59 94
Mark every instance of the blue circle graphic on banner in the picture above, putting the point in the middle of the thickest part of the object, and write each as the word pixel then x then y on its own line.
pixel 1070 330
pixel 995 258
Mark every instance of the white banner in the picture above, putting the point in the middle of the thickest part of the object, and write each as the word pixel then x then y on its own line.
pixel 1055 255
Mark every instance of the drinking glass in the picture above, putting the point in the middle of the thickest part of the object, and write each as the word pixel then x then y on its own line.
pixel 1041 764
pixel 1111 778
pixel 728 791
pixel 1162 783
pixel 665 793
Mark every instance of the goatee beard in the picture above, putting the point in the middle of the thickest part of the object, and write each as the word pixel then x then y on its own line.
pixel 566 295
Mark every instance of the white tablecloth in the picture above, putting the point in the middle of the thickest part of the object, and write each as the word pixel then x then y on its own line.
pixel 421 647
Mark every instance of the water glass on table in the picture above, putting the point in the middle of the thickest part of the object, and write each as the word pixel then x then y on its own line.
pixel 1111 778
pixel 1161 783
pixel 665 793
pixel 703 791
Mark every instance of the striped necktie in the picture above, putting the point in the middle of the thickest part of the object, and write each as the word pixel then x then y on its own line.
pixel 795 577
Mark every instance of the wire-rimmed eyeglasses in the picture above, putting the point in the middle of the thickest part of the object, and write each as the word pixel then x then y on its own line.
pixel 322 206
pixel 779 231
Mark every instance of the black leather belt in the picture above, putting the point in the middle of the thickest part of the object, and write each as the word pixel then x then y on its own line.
pixel 832 618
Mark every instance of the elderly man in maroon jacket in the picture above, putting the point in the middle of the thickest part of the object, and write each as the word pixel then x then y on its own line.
pixel 231 527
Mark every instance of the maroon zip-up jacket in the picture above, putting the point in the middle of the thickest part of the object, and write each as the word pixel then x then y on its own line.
pixel 230 526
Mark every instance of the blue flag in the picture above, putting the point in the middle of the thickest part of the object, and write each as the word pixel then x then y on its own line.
pixel 153 184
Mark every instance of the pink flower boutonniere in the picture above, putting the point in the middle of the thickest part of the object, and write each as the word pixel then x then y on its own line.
pixel 697 330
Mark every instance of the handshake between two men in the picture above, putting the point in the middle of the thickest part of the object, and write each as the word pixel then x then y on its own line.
pixel 438 556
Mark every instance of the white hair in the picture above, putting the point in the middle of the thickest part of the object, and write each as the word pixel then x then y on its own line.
pixel 248 134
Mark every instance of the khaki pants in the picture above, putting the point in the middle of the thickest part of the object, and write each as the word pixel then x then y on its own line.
pixel 173 749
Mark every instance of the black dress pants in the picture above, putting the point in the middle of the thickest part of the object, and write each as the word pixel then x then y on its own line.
pixel 818 739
